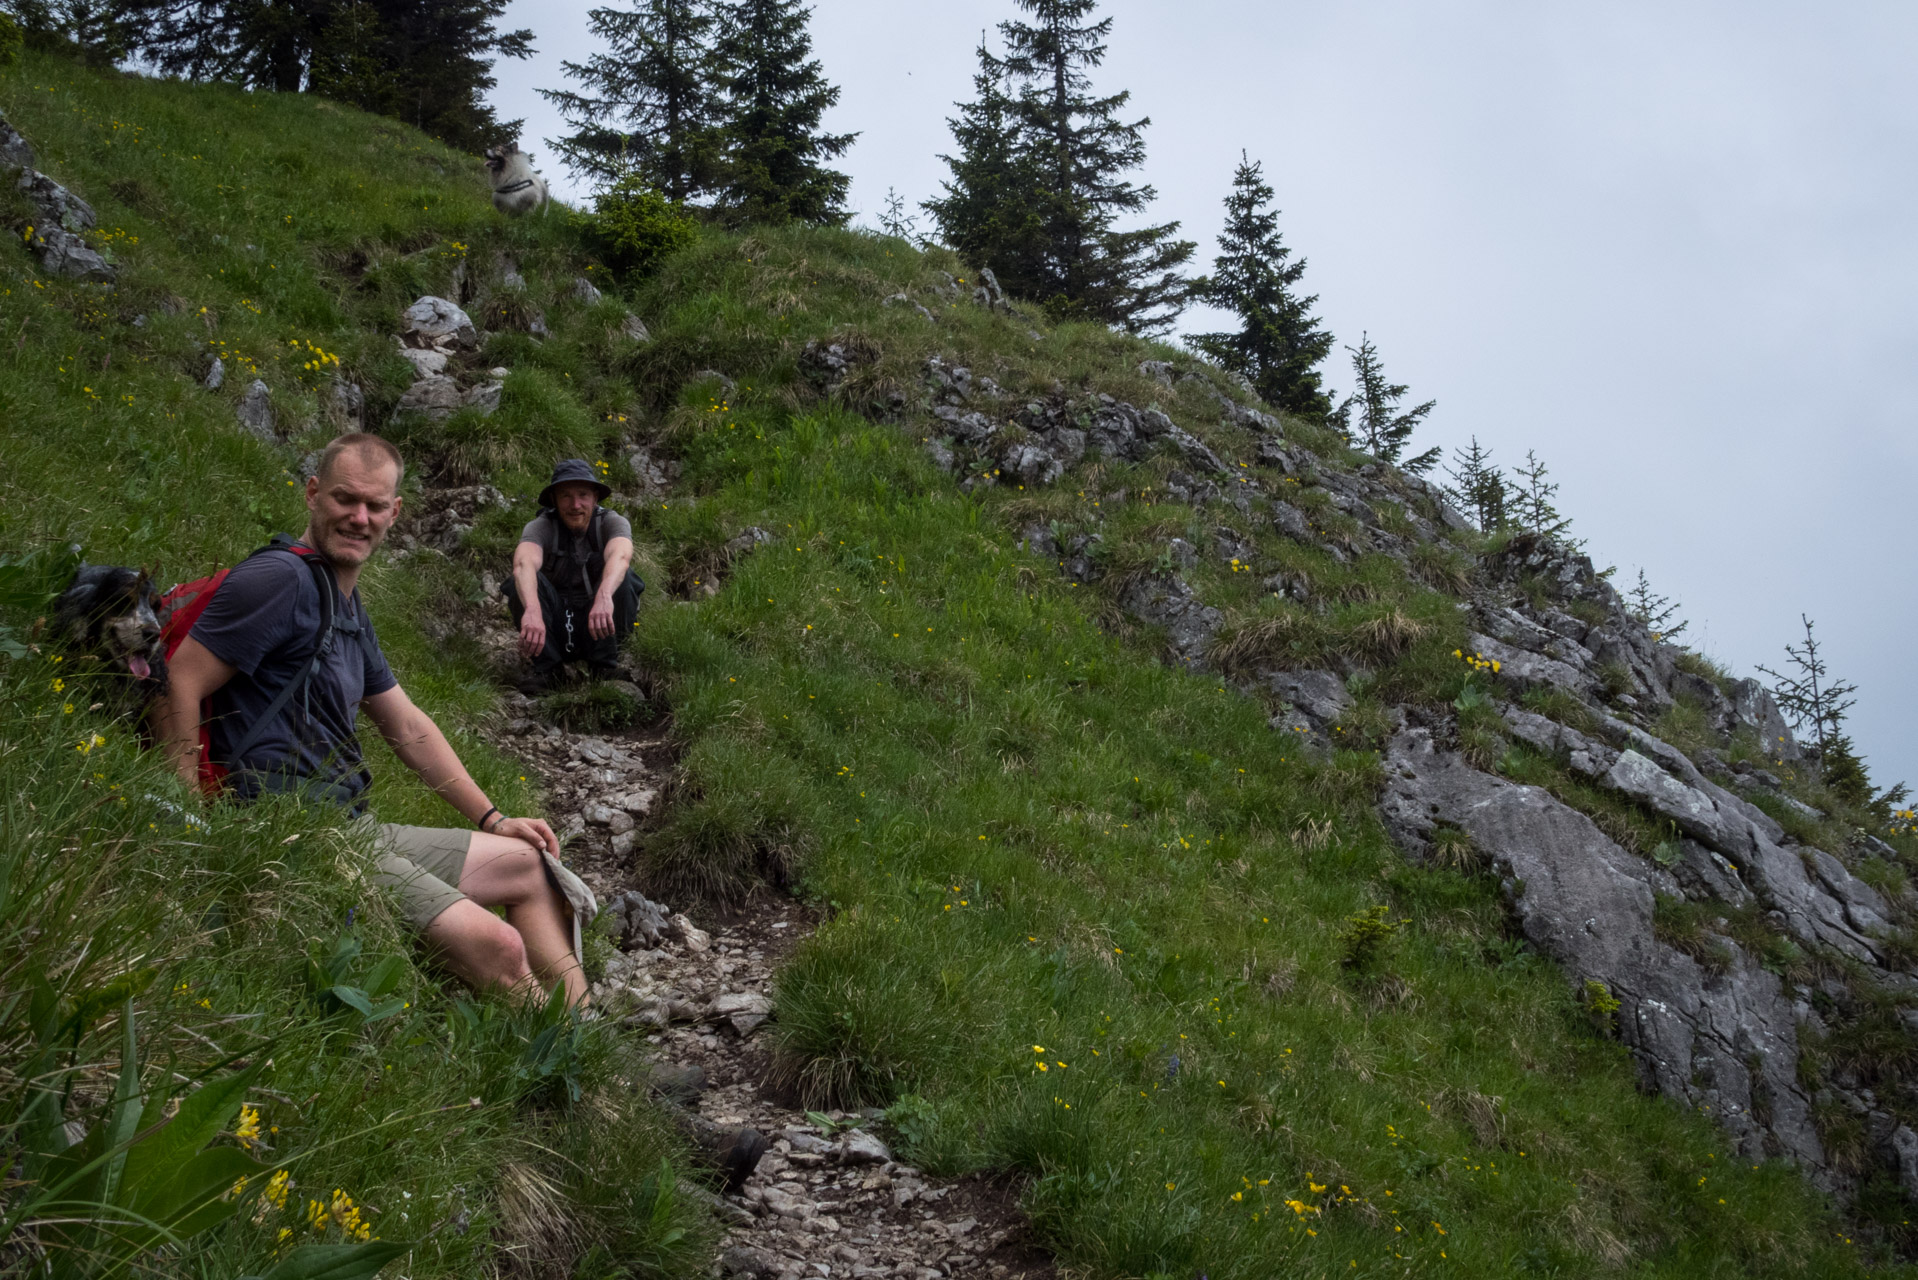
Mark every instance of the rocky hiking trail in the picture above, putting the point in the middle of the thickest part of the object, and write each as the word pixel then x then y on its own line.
pixel 806 1193
pixel 1715 1022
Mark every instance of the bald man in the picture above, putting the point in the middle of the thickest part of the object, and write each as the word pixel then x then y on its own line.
pixel 261 632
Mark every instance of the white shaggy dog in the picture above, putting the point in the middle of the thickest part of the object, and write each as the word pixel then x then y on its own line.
pixel 516 188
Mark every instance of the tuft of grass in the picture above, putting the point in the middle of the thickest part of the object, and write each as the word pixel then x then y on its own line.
pixel 597 705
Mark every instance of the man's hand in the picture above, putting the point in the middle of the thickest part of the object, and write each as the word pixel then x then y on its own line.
pixel 599 619
pixel 532 632
pixel 533 831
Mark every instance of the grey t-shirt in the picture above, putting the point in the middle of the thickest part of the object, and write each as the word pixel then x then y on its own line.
pixel 575 564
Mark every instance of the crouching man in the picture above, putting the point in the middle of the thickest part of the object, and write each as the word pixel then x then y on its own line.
pixel 288 670
pixel 573 593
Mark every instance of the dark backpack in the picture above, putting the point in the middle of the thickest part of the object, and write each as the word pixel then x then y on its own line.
pixel 181 607
pixel 567 545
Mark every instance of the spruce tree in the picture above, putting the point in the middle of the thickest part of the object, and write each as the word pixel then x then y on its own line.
pixel 1658 613
pixel 988 214
pixel 1813 696
pixel 1382 430
pixel 1530 496
pixel 1279 345
pixel 427 62
pixel 1477 486
pixel 1038 186
pixel 773 96
pixel 646 105
pixel 895 220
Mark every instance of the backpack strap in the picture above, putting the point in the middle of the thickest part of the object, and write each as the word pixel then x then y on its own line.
pixel 329 590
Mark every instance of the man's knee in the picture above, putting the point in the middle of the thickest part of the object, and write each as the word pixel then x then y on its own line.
pixel 507 952
pixel 502 871
pixel 484 949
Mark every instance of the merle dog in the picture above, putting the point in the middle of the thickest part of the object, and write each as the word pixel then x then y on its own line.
pixel 111 614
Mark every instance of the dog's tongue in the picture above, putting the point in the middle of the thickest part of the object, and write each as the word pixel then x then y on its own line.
pixel 138 666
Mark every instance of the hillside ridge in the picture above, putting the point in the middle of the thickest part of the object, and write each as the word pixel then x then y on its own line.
pixel 1210 835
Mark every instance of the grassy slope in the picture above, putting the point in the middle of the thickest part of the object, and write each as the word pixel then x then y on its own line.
pixel 1030 831
pixel 110 442
pixel 1033 834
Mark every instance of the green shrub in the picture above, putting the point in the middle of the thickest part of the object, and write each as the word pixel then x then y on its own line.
pixel 1364 936
pixel 11 39
pixel 636 227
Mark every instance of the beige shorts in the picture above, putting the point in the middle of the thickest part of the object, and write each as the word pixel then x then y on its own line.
pixel 424 864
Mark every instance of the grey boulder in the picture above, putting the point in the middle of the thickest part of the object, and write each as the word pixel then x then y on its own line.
pixel 435 322
pixel 1165 600
pixel 255 412
pixel 1724 1042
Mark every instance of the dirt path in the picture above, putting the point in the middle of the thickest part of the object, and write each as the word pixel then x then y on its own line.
pixel 823 1199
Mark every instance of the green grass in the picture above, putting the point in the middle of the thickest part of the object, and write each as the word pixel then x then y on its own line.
pixel 1021 828
pixel 111 443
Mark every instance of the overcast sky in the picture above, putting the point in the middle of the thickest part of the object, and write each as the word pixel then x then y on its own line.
pixel 1667 246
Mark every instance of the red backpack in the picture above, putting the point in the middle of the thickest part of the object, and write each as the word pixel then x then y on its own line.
pixel 181 607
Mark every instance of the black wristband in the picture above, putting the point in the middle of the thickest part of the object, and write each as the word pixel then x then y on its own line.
pixel 481 824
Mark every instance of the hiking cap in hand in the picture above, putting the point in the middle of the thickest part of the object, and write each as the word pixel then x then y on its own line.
pixel 570 470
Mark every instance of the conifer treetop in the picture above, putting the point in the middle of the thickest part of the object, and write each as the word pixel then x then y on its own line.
pixel 647 107
pixel 1278 345
pixel 774 97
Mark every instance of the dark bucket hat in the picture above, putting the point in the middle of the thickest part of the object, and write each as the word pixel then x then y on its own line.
pixel 574 470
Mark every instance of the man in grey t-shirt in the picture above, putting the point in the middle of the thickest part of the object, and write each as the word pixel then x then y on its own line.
pixel 573 593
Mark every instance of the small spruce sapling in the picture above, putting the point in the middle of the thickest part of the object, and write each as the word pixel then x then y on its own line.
pixel 1529 501
pixel 1478 487
pixel 1658 613
pixel 1382 430
pixel 1365 936
pixel 1812 697
pixel 895 220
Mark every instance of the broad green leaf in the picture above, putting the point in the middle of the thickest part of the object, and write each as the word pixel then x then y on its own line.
pixel 123 1119
pixel 384 976
pixel 337 1261
pixel 202 1115
pixel 385 1010
pixel 353 998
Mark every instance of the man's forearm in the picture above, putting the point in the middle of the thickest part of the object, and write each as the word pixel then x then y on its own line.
pixel 618 560
pixel 176 723
pixel 526 578
pixel 422 748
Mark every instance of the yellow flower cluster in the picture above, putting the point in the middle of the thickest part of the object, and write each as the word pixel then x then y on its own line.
pixel 1040 1064
pixel 248 1130
pixel 317 359
pixel 341 1210
pixel 1477 661
pixel 86 745
pixel 233 355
